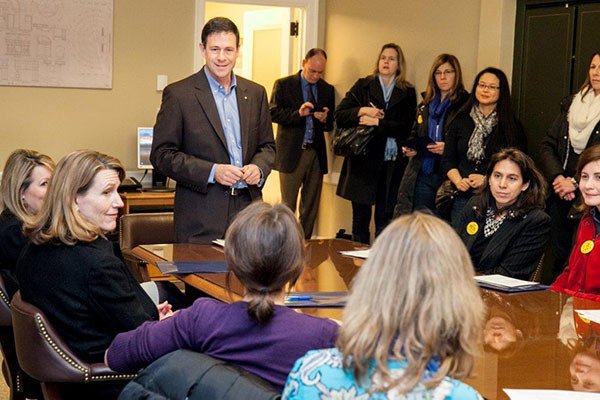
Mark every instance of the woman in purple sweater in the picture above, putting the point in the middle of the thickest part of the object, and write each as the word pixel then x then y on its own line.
pixel 265 251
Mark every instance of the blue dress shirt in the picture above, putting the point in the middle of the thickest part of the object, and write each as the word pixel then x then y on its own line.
pixel 229 115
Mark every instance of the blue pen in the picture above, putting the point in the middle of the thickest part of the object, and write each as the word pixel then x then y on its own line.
pixel 299 298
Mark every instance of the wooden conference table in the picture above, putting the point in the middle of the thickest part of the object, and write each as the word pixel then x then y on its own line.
pixel 532 339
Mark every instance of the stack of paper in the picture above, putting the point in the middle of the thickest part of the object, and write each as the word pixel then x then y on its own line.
pixel 506 284
pixel 531 394
pixel 592 315
pixel 364 254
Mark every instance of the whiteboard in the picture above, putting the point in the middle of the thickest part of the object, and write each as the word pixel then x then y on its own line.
pixel 57 43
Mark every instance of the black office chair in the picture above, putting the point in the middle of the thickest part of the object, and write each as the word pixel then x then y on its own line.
pixel 185 374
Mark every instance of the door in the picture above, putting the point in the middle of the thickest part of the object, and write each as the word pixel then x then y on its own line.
pixel 586 41
pixel 544 70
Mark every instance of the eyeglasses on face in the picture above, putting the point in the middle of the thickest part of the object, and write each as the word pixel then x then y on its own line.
pixel 483 86
pixel 446 72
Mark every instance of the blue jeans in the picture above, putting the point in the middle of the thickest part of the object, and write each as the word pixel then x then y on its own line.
pixel 425 190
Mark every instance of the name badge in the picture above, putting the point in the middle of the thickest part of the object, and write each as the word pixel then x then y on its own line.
pixel 472 228
pixel 587 246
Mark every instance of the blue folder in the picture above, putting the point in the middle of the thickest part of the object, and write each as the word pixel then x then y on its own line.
pixel 316 299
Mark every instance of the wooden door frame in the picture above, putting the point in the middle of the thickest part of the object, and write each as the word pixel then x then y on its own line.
pixel 310 30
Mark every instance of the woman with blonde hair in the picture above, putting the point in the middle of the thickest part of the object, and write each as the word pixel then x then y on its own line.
pixel 405 331
pixel 386 101
pixel 23 189
pixel 71 271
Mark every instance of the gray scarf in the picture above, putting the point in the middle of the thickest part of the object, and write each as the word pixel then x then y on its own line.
pixel 483 127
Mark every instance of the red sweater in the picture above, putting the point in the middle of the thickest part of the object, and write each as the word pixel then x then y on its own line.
pixel 581 277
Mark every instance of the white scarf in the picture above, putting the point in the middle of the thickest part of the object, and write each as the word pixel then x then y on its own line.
pixel 584 114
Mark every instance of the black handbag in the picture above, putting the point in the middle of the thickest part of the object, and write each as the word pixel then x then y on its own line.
pixel 353 141
pixel 444 197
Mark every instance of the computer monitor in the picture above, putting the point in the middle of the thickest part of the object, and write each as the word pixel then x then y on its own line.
pixel 144 145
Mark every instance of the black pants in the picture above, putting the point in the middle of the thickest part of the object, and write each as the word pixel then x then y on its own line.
pixel 361 219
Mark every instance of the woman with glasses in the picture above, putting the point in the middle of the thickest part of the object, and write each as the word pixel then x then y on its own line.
pixel 485 125
pixel 388 102
pixel 575 129
pixel 444 96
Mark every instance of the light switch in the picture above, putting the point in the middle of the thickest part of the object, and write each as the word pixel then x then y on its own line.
pixel 161 82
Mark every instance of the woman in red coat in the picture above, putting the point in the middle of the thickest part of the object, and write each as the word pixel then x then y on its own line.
pixel 581 277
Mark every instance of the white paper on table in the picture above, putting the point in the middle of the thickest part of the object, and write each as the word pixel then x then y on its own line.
pixel 534 394
pixel 592 315
pixel 219 242
pixel 356 253
pixel 501 280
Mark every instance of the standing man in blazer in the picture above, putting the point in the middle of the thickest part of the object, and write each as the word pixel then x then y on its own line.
pixel 302 105
pixel 213 136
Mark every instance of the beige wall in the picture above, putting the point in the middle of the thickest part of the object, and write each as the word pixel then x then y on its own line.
pixel 478 32
pixel 150 37
pixel 157 37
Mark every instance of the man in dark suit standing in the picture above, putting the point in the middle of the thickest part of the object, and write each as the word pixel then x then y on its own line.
pixel 302 105
pixel 213 135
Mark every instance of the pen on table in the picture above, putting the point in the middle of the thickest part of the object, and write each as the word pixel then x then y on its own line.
pixel 298 298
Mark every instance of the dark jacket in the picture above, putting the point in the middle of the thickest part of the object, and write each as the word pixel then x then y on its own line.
pixel 189 139
pixel 457 144
pixel 286 100
pixel 184 374
pixel 86 292
pixel 406 191
pixel 555 147
pixel 12 242
pixel 515 248
pixel 360 174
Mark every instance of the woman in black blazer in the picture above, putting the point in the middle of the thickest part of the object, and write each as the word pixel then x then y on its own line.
pixel 485 125
pixel 387 101
pixel 24 182
pixel 505 228
pixel 71 271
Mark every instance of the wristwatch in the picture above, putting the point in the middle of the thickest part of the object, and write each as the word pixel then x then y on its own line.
pixel 574 182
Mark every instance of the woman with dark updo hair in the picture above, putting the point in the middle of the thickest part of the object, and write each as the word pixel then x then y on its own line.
pixel 265 251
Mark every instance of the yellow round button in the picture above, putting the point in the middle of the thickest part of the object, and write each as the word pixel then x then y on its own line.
pixel 587 246
pixel 420 119
pixel 472 228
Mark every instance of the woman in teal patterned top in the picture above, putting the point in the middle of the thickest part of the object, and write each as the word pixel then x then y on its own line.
pixel 412 324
